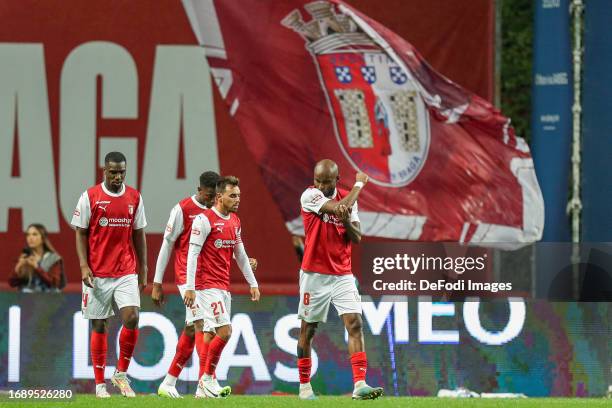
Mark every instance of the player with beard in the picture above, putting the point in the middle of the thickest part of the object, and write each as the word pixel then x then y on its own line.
pixel 331 224
pixel 195 333
pixel 215 239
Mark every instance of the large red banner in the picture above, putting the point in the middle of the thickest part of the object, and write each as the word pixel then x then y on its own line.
pixel 80 78
pixel 307 80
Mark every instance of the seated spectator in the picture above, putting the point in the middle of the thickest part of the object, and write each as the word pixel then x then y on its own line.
pixel 39 268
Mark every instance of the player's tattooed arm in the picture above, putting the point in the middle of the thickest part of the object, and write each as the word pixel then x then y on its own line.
pixel 338 207
pixel 353 230
pixel 82 249
pixel 139 240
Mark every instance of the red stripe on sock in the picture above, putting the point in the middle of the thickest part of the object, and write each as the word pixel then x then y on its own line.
pixel 184 349
pixel 304 367
pixel 359 363
pixel 97 349
pixel 127 342
pixel 214 354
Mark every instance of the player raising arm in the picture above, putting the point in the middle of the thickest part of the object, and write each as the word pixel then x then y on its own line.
pixel 331 224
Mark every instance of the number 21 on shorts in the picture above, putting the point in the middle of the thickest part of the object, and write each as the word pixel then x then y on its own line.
pixel 216 306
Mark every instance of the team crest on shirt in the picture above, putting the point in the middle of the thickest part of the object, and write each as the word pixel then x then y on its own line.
pixel 130 209
pixel 380 120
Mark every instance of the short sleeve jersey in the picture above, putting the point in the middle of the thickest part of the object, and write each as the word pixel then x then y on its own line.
pixel 178 231
pixel 217 235
pixel 326 248
pixel 110 219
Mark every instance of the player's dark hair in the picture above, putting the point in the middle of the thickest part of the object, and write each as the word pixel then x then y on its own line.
pixel 209 179
pixel 226 181
pixel 115 157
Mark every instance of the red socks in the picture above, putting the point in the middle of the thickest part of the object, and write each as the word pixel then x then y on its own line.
pixel 304 366
pixel 97 349
pixel 359 362
pixel 214 354
pixel 184 348
pixel 127 341
pixel 202 348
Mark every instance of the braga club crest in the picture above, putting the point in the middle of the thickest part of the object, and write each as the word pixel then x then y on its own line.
pixel 380 120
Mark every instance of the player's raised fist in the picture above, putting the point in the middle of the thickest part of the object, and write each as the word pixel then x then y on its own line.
pixel 361 177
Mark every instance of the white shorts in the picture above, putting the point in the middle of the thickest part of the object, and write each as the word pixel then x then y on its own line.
pixel 217 306
pixel 318 290
pixel 97 302
pixel 195 312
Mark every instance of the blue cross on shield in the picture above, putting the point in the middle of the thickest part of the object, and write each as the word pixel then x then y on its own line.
pixel 369 74
pixel 398 75
pixel 343 73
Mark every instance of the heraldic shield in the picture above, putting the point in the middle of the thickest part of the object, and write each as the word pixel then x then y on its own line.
pixel 380 120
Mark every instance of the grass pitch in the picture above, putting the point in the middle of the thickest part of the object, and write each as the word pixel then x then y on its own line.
pixel 240 401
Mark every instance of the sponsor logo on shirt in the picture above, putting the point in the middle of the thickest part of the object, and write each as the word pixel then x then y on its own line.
pixel 224 243
pixel 115 222
pixel 332 219
pixel 102 207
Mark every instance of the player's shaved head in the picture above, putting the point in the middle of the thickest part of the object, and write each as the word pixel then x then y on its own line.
pixel 326 168
pixel 326 176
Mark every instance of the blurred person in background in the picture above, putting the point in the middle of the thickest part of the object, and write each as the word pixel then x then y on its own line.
pixel 40 267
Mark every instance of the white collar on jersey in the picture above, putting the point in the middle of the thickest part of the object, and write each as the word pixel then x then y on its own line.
pixel 225 217
pixel 196 202
pixel 119 194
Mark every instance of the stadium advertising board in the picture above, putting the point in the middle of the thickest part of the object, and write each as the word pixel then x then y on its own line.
pixel 414 348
